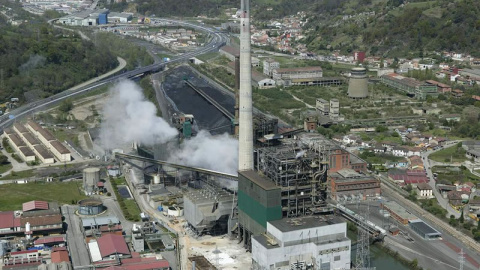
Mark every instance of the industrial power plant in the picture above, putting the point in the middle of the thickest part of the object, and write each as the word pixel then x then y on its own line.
pixel 201 179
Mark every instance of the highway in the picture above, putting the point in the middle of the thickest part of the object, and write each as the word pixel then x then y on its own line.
pixel 218 40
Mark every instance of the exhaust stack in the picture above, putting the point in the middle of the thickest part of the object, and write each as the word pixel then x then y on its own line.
pixel 245 139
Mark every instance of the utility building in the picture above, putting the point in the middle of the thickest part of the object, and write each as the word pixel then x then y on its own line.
pixel 348 185
pixel 314 242
pixel 258 202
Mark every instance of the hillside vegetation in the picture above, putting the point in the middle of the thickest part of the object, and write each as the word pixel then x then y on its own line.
pixel 38 60
pixel 395 29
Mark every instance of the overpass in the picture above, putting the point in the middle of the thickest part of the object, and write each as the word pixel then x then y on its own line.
pixel 218 40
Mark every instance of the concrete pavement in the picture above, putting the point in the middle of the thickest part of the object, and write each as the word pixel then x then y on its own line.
pixel 76 242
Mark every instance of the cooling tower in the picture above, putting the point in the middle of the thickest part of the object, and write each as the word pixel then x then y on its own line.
pixel 357 87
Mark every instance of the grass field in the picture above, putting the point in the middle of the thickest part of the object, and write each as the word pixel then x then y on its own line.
pixel 451 154
pixel 18 175
pixel 450 175
pixel 12 196
pixel 207 56
pixel 5 167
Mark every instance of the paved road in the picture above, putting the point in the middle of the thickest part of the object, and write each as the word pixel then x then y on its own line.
pixel 428 164
pixel 218 40
pixel 76 242
pixel 440 224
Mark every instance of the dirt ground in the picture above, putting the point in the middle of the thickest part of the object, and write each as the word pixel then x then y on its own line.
pixel 229 255
pixel 83 107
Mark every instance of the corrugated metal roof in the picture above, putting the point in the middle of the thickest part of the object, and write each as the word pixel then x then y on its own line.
pixel 35 205
pixel 43 220
pixel 59 147
pixel 6 220
pixel 20 128
pixel 48 240
pixel 43 151
pixel 60 256
pixel 112 244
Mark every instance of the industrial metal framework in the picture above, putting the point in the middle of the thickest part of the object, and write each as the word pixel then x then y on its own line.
pixel 299 168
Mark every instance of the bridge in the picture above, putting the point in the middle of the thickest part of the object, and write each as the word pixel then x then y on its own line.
pixel 377 232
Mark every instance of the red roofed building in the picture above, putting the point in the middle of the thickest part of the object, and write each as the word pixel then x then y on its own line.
pixel 49 241
pixel 60 256
pixel 112 244
pixel 35 205
pixel 406 177
pixel 9 223
pixel 22 259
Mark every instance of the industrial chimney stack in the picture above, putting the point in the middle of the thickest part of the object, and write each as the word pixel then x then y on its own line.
pixel 245 138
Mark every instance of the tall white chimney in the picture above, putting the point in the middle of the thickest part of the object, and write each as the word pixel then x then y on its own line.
pixel 245 137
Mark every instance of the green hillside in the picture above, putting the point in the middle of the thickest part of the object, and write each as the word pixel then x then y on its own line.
pixel 396 29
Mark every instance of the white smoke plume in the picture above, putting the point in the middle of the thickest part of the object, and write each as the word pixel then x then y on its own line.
pixel 218 153
pixel 128 116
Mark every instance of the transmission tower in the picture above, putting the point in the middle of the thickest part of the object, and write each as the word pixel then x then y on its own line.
pixel 461 259
pixel 362 260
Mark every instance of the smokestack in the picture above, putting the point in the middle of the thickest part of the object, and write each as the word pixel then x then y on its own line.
pixel 237 88
pixel 245 139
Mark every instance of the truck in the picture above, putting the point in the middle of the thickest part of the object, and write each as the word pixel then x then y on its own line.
pixel 144 216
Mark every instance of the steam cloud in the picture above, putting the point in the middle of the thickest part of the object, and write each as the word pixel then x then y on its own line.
pixel 219 153
pixel 129 117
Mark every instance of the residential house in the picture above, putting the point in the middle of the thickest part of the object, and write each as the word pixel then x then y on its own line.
pixel 451 117
pixel 457 93
pixel 445 189
pixel 416 163
pixel 389 146
pixel 379 149
pixel 414 137
pixel 457 198
pixel 424 190
pixel 413 151
pixel 399 151
pixel 473 154
pixel 474 204
pixel 403 164
pixel 351 139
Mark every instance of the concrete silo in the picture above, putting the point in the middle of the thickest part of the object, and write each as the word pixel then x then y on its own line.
pixel 91 176
pixel 357 87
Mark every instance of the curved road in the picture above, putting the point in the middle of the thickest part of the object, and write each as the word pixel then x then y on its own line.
pixel 218 40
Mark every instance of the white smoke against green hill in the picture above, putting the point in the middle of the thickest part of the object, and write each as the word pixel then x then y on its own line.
pixel 129 117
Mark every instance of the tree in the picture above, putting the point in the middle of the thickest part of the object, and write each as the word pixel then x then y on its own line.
pixel 3 159
pixel 461 219
pixel 414 263
pixel 381 128
pixel 66 106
